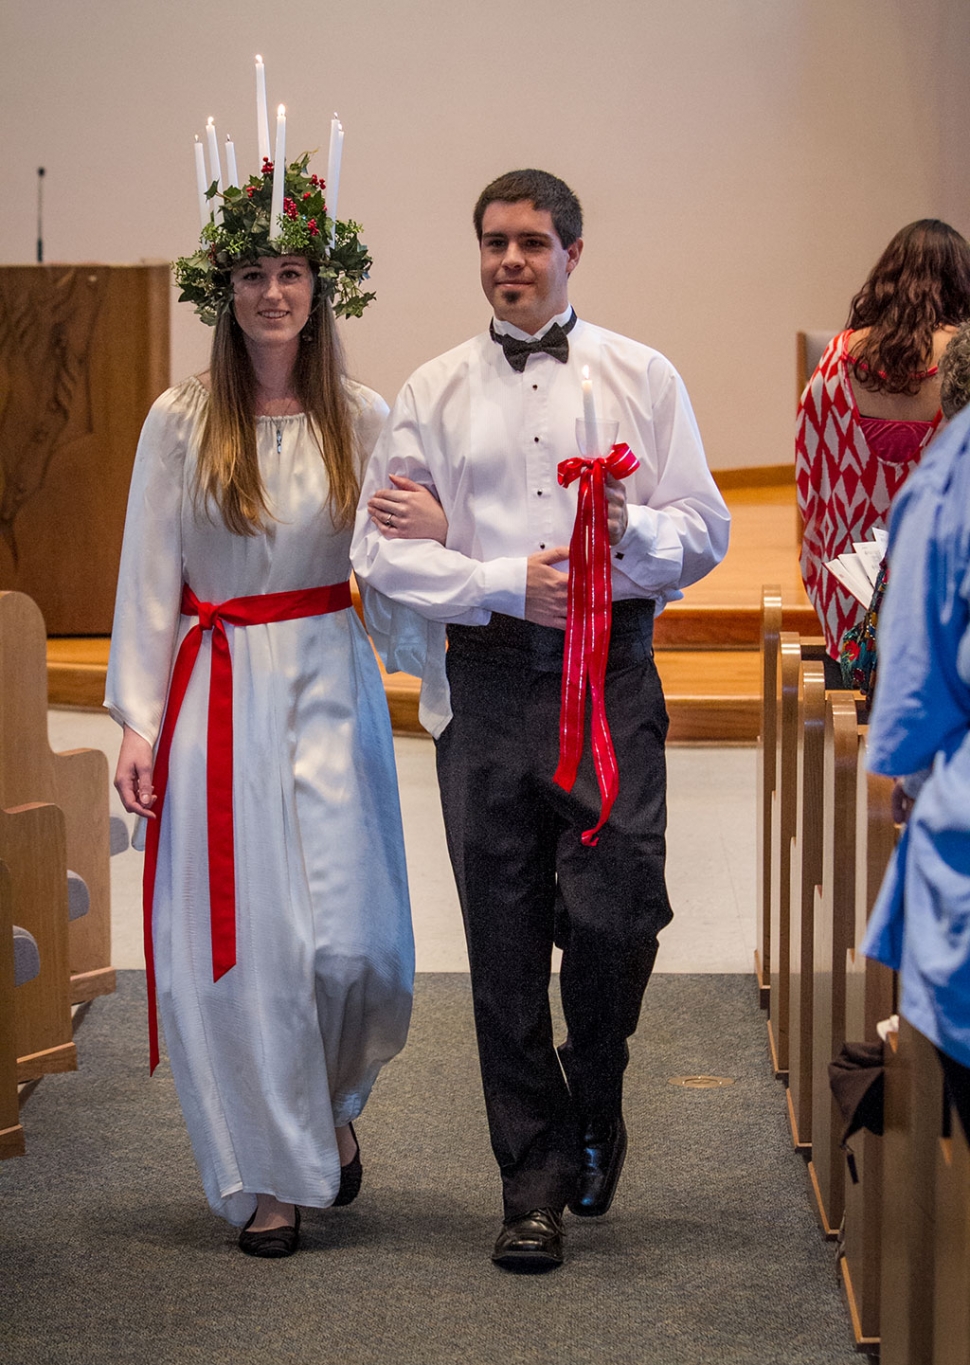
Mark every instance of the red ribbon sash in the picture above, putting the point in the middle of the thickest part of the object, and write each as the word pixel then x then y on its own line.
pixel 588 619
pixel 239 611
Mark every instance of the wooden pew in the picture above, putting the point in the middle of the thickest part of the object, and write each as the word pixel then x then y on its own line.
pixel 783 808
pixel 834 935
pixel 870 998
pixel 770 631
pixel 76 781
pixel 925 1285
pixel 951 1253
pixel 805 876
pixel 11 1131
pixel 913 1125
pixel 32 846
pixel 792 650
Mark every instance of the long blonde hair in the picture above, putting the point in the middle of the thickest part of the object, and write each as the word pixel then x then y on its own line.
pixel 227 473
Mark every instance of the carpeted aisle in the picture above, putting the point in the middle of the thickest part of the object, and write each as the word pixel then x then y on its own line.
pixel 710 1254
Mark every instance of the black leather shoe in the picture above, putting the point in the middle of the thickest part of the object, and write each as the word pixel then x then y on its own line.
pixel 532 1241
pixel 604 1148
pixel 272 1243
pixel 350 1177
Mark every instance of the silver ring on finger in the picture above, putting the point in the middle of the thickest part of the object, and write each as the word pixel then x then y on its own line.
pixel 390 519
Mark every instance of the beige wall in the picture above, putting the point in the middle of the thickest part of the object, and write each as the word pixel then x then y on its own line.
pixel 741 162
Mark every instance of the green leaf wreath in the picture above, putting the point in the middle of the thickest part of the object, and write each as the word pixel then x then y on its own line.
pixel 304 229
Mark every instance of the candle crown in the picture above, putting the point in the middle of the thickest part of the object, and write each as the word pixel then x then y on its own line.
pixel 241 232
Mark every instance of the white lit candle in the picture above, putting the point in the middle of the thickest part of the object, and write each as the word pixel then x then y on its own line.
pixel 232 175
pixel 279 173
pixel 215 170
pixel 262 118
pixel 333 167
pixel 589 412
pixel 201 183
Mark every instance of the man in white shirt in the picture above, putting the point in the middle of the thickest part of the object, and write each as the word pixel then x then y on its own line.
pixel 484 427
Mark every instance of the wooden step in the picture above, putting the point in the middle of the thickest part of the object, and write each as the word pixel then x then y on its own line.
pixel 76 670
pixel 687 625
pixel 713 696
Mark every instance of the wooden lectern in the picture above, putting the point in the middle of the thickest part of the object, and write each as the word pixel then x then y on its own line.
pixel 84 352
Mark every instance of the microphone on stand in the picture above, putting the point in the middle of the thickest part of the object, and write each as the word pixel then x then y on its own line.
pixel 40 215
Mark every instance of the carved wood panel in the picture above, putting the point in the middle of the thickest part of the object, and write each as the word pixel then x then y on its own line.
pixel 84 351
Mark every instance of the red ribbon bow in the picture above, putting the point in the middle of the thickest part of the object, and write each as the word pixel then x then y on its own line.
pixel 239 611
pixel 588 619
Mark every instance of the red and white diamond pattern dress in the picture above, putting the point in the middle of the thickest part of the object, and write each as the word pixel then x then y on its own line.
pixel 844 487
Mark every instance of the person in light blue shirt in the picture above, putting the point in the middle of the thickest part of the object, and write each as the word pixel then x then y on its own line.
pixel 920 725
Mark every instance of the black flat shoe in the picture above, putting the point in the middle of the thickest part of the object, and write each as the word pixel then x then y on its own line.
pixel 351 1176
pixel 604 1150
pixel 272 1243
pixel 530 1242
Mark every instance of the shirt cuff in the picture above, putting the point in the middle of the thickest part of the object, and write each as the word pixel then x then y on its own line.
pixel 640 535
pixel 503 586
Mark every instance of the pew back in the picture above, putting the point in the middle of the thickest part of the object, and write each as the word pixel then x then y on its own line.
pixel 805 875
pixel 767 738
pixel 76 781
pixel 834 935
pixel 11 1131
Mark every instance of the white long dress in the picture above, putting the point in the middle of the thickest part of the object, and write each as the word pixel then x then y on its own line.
pixel 288 1043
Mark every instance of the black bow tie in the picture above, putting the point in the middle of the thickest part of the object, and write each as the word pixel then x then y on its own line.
pixel 554 343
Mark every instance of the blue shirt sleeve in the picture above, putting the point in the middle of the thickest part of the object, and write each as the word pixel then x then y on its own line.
pixel 922 704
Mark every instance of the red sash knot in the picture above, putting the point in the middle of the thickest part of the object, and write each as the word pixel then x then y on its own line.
pixel 239 611
pixel 588 618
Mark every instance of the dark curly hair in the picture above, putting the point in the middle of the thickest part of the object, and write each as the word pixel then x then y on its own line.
pixel 920 283
pixel 955 373
pixel 545 192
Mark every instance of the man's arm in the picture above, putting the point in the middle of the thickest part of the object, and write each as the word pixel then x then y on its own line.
pixel 673 534
pixel 441 583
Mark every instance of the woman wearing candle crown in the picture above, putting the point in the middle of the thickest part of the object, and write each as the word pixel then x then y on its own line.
pixel 256 736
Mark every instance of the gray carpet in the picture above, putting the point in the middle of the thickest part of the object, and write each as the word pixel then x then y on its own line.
pixel 710 1254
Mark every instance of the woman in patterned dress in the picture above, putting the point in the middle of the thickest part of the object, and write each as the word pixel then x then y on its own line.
pixel 872 405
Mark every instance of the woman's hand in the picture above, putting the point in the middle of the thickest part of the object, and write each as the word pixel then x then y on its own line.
pixel 133 778
pixel 408 511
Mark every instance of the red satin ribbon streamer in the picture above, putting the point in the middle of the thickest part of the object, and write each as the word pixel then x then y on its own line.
pixel 588 619
pixel 239 611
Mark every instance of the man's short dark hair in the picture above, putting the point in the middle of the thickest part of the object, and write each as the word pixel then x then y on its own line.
pixel 545 191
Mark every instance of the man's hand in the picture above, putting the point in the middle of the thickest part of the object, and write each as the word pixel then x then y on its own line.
pixel 615 508
pixel 546 588
pixel 133 778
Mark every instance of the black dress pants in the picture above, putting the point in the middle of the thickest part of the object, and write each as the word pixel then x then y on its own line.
pixel 526 881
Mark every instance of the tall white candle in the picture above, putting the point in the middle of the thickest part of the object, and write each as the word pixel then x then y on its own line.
pixel 333 167
pixel 262 118
pixel 589 413
pixel 215 170
pixel 201 183
pixel 232 175
pixel 279 173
